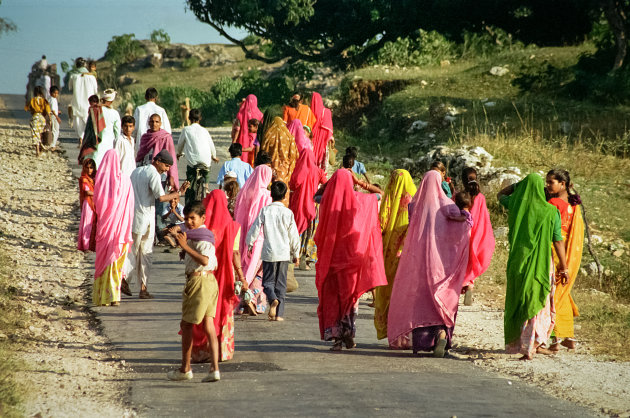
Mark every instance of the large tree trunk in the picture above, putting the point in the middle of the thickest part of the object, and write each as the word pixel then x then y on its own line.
pixel 617 21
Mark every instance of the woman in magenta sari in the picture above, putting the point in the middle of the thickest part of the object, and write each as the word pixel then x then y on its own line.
pixel 155 140
pixel 350 257
pixel 297 130
pixel 87 225
pixel 114 204
pixel 430 273
pixel 322 130
pixel 248 110
pixel 250 200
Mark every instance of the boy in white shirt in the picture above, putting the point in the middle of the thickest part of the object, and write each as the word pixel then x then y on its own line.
pixel 125 145
pixel 55 120
pixel 280 246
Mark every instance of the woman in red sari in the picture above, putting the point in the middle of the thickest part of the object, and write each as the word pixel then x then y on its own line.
pixel 322 129
pixel 87 225
pixel 226 239
pixel 248 110
pixel 350 257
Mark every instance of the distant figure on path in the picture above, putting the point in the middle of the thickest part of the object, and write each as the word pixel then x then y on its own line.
pixel 82 85
pixel 124 145
pixel 87 223
pixel 39 109
pixel 248 110
pixel 235 165
pixel 144 112
pixel 296 110
pixel 55 120
pixel 155 140
pixel 111 117
pixel 322 130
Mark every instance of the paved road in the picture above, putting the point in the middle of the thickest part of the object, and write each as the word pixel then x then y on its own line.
pixel 283 369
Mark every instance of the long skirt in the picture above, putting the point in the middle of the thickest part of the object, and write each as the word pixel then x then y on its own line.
pixel 201 352
pixel 106 287
pixel 87 229
pixel 38 123
pixel 426 338
pixel 345 327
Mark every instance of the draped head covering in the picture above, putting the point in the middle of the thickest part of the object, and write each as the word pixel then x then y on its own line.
pixel 304 182
pixel 85 178
pixel 250 200
pixel 280 146
pixel 267 120
pixel 349 249
pixel 432 265
pixel 530 220
pixel 481 240
pixel 248 110
pixel 322 129
pixel 114 206
pixel 394 220
pixel 155 142
pixel 296 129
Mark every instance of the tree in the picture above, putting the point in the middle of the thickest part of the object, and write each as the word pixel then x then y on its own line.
pixel 6 25
pixel 123 49
pixel 161 38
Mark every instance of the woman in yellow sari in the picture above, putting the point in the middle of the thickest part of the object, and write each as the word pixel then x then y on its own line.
pixel 279 144
pixel 40 113
pixel 568 203
pixel 394 222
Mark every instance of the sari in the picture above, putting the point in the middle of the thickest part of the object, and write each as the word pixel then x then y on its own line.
pixel 249 202
pixel 280 146
pixel 350 255
pixel 114 207
pixel 219 221
pixel 248 110
pixel 529 311
pixel 87 224
pixel 93 132
pixel 151 144
pixel 431 271
pixel 572 226
pixel 296 129
pixel 394 220
pixel 322 129
pixel 267 120
pixel 305 180
pixel 303 113
pixel 481 240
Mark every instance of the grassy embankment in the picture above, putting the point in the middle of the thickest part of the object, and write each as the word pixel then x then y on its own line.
pixel 535 132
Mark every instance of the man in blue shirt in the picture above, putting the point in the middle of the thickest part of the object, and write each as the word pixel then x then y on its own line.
pixel 358 168
pixel 241 168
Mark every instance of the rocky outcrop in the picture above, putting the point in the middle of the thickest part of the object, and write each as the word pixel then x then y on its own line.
pixel 174 55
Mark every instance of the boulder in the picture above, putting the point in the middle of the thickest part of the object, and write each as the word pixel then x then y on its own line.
pixel 499 71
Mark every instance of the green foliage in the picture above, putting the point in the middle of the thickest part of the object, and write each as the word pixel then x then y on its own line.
pixel 123 49
pixel 160 38
pixel 191 62
pixel 421 49
pixel 491 41
pixel 65 67
pixel 251 40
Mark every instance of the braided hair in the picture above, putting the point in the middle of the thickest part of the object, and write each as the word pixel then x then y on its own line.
pixel 469 180
pixel 563 176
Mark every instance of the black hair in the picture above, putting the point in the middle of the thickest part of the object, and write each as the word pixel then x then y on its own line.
pixel 194 207
pixel 91 63
pixel 93 98
pixel 235 150
pixel 43 57
pixel 194 115
pixel 262 158
pixel 253 122
pixel 79 62
pixel 53 89
pixel 470 183
pixel 348 161
pixel 563 176
pixel 128 119
pixel 231 188
pixel 155 114
pixel 463 200
pixel 352 151
pixel 151 93
pixel 439 165
pixel 38 91
pixel 278 190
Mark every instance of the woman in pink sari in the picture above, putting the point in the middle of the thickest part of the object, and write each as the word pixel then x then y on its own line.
pixel 248 110
pixel 114 204
pixel 430 273
pixel 250 200
pixel 481 235
pixel 350 257
pixel 297 130
pixel 322 130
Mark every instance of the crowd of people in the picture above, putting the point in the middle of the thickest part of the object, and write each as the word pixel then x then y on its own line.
pixel 417 248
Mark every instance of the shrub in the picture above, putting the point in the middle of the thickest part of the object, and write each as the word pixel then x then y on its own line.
pixel 422 49
pixel 490 42
pixel 160 38
pixel 123 49
pixel 191 62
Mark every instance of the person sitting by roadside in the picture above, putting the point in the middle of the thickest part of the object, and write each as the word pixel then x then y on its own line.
pixel 173 215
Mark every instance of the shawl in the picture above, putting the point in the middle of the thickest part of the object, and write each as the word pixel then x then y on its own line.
pixel 156 142
pixel 349 249
pixel 92 135
pixel 530 220
pixel 267 120
pixel 249 201
pixel 481 240
pixel 304 182
pixel 248 110
pixel 296 129
pixel 280 146
pixel 303 113
pixel 114 207
pixel 323 128
pixel 394 220
pixel 432 265
pixel 86 179
pixel 219 221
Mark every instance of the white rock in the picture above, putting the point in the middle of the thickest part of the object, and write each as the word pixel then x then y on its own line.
pixel 596 239
pixel 499 71
pixel 417 125
pixel 490 104
pixel 501 232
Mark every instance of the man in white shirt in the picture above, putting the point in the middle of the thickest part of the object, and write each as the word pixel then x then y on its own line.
pixel 82 85
pixel 144 112
pixel 147 188
pixel 124 146
pixel 112 126
pixel 196 144
pixel 280 246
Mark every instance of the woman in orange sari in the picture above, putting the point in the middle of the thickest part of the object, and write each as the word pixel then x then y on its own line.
pixel 559 188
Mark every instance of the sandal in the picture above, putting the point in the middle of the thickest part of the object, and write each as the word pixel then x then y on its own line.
pixel 145 295
pixel 440 348
pixel 115 304
pixel 124 288
pixel 349 341
pixel 337 345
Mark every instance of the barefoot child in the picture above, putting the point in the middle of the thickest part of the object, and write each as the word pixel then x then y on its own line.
pixel 200 296
pixel 281 245
pixel 172 216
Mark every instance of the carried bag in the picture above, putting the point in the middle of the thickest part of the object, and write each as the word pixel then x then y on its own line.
pixel 47 135
pixel 332 154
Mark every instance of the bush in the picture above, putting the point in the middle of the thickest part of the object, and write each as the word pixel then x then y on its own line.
pixel 490 42
pixel 160 38
pixel 123 49
pixel 421 49
pixel 191 62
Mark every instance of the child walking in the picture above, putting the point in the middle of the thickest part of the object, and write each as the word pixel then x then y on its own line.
pixel 199 301
pixel 280 246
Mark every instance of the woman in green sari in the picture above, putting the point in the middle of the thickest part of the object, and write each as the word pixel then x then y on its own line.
pixel 534 224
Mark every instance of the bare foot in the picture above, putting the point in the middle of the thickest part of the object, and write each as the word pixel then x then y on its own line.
pixel 545 351
pixel 525 357
pixel 279 318
pixel 568 343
